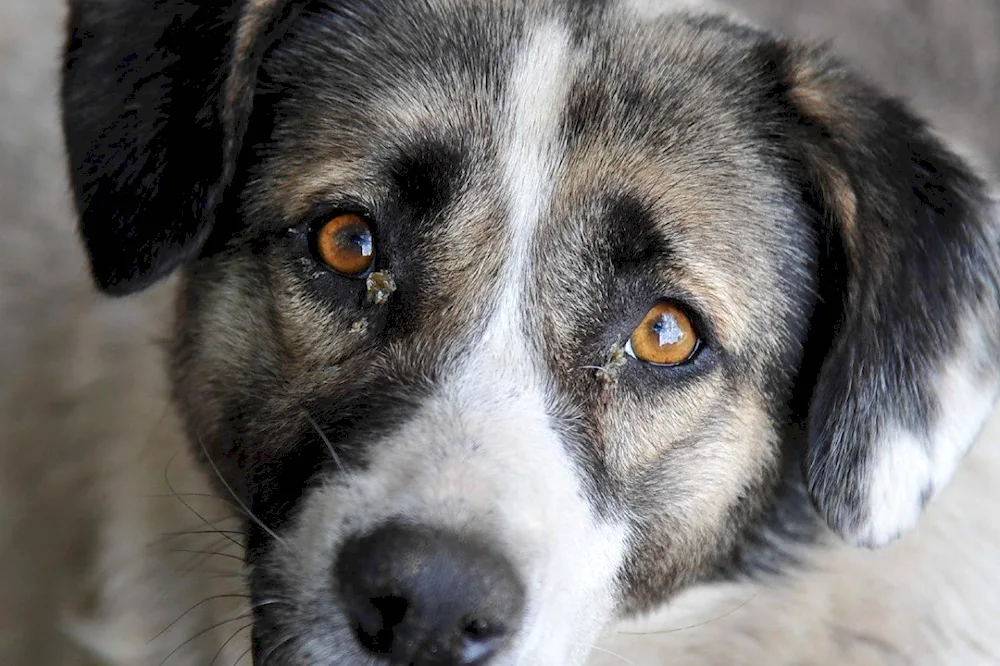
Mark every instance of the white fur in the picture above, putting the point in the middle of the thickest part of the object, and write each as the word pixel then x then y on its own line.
pixel 913 468
pixel 536 97
pixel 482 455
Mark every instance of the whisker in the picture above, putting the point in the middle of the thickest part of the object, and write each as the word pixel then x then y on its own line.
pixel 166 479
pixel 220 532
pixel 613 654
pixel 326 440
pixel 240 658
pixel 202 633
pixel 204 554
pixel 225 501
pixel 271 602
pixel 228 641
pixel 692 626
pixel 217 573
pixel 199 557
pixel 200 603
pixel 275 648
pixel 173 535
pixel 207 552
pixel 236 497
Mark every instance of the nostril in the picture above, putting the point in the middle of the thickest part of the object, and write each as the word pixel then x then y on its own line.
pixel 478 628
pixel 375 619
pixel 392 609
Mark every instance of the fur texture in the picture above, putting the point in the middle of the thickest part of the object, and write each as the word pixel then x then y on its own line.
pixel 266 345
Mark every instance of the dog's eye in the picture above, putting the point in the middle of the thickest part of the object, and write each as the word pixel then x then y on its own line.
pixel 666 336
pixel 345 244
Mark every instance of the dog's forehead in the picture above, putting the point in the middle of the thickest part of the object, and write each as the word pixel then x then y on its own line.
pixel 665 122
pixel 727 236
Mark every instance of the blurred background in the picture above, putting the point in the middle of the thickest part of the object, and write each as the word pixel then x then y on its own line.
pixel 76 372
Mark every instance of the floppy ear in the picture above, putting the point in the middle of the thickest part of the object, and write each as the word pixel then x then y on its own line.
pixel 156 97
pixel 912 372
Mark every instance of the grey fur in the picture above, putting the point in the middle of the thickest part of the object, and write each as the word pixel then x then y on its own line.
pixel 96 432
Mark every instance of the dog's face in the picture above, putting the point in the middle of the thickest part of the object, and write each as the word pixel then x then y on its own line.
pixel 501 320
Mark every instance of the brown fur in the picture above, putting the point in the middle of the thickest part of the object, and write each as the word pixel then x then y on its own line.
pixel 92 387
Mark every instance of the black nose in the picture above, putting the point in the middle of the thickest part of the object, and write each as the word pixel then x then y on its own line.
pixel 429 597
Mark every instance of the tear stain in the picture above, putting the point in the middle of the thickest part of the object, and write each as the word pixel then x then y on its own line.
pixel 613 363
pixel 380 287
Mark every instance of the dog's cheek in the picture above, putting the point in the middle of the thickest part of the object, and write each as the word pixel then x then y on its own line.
pixel 219 338
pixel 696 504
pixel 252 336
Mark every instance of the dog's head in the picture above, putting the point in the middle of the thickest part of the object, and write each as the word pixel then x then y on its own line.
pixel 504 319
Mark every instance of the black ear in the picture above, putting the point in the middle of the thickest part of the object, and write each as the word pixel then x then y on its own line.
pixel 914 367
pixel 156 97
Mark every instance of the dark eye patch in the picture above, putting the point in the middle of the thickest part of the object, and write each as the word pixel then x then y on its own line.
pixel 633 241
pixel 425 176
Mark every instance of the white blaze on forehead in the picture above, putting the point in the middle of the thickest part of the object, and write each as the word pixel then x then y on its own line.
pixel 532 149
pixel 568 556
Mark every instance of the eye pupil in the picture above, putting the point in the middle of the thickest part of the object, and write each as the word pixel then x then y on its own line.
pixel 357 242
pixel 345 244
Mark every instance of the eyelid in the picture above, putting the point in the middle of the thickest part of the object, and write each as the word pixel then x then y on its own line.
pixel 328 207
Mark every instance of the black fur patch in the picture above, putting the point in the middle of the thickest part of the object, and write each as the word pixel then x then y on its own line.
pixel 143 114
pixel 916 263
pixel 426 175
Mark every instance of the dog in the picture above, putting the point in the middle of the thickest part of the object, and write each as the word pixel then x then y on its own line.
pixel 499 322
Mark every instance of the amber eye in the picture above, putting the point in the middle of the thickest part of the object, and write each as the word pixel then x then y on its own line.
pixel 345 244
pixel 666 336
